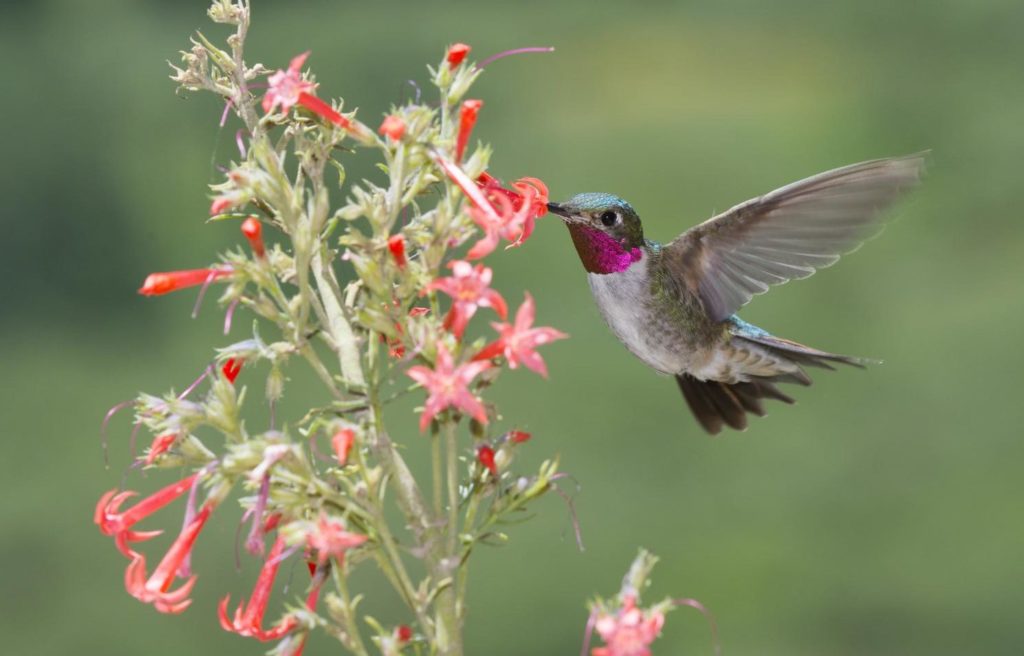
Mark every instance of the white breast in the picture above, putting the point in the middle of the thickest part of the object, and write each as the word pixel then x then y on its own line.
pixel 624 301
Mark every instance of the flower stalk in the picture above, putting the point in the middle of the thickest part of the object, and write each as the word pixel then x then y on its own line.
pixel 351 293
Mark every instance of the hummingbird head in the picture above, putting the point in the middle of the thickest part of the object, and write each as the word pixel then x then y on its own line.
pixel 605 229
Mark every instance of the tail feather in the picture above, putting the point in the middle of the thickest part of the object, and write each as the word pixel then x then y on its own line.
pixel 801 354
pixel 756 360
pixel 743 332
pixel 716 404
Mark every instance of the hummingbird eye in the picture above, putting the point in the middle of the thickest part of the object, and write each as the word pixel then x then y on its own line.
pixel 609 218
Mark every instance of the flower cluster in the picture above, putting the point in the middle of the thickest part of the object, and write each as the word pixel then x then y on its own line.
pixel 412 247
pixel 627 629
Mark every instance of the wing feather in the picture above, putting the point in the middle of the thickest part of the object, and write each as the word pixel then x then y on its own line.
pixel 787 234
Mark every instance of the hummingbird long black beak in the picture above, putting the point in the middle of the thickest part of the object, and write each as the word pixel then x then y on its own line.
pixel 555 208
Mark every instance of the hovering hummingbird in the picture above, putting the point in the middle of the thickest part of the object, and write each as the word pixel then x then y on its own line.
pixel 674 305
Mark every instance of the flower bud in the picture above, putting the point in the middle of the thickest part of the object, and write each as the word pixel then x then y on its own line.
pixel 253 231
pixel 456 54
pixel 393 127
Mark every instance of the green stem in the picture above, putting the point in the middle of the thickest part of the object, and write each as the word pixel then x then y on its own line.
pixel 338 326
pixel 351 628
pixel 467 528
pixel 446 563
pixel 435 447
pixel 451 446
pixel 393 565
pixel 309 353
pixel 397 174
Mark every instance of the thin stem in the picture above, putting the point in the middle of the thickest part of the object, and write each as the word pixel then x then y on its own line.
pixel 351 628
pixel 436 458
pixel 451 446
pixel 448 602
pixel 337 324
pixel 467 528
pixel 393 565
pixel 311 356
pixel 397 174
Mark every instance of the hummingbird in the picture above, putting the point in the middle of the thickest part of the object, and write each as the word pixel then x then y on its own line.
pixel 674 305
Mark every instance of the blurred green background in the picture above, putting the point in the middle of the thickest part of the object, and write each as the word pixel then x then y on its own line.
pixel 881 515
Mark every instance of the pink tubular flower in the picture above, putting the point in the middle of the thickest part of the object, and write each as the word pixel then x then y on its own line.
pixel 629 632
pixel 342 442
pixel 392 127
pixel 253 231
pixel 468 187
pixel 115 522
pixel 448 387
pixel 248 619
pixel 467 119
pixel 156 589
pixel 456 54
pixel 160 445
pixel 221 203
pixel 518 341
pixel 286 86
pixel 469 288
pixel 516 210
pixel 331 540
pixel 396 245
pixel 485 456
pixel 170 281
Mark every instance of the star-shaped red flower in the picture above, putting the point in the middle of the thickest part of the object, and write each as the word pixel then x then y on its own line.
pixel 448 386
pixel 518 341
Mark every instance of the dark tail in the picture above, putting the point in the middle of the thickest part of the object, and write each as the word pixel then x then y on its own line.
pixel 715 404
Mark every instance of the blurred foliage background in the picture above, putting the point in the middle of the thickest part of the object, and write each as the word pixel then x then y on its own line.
pixel 881 515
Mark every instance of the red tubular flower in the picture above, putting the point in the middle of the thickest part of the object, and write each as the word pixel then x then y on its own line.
pixel 468 187
pixel 469 288
pixel 518 437
pixel 396 244
pixel 331 540
pixel 467 119
pixel 403 633
pixel 516 211
pixel 160 445
pixel 518 341
pixel 113 521
pixel 248 619
pixel 485 456
pixel 170 281
pixel 253 231
pixel 395 347
pixel 448 387
pixel 324 110
pixel 342 442
pixel 393 127
pixel 231 369
pixel 156 589
pixel 285 87
pixel 456 54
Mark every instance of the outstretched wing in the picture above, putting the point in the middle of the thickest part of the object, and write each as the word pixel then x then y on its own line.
pixel 787 234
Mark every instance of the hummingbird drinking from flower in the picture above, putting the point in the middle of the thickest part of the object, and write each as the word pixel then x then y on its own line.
pixel 674 305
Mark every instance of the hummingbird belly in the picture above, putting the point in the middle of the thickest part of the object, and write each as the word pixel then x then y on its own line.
pixel 650 328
